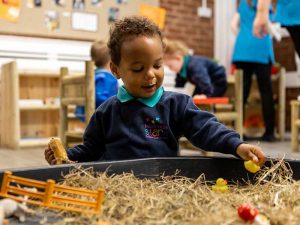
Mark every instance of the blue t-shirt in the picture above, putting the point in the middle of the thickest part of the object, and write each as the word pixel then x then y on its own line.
pixel 106 85
pixel 249 48
pixel 127 128
pixel 288 12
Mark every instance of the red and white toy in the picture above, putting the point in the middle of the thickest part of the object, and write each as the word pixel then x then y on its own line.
pixel 250 214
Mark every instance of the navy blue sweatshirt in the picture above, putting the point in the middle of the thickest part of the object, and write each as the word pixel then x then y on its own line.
pixel 208 77
pixel 131 130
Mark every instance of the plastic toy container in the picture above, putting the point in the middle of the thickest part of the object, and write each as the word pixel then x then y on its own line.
pixel 231 169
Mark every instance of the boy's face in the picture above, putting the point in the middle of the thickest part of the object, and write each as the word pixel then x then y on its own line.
pixel 141 66
pixel 174 61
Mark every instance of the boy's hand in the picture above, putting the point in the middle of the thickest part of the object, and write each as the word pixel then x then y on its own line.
pixel 52 160
pixel 251 152
pixel 49 156
pixel 202 96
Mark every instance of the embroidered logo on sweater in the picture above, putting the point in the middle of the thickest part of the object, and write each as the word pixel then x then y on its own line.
pixel 155 129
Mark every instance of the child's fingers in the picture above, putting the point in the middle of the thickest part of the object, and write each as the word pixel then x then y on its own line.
pixel 253 157
pixel 53 161
pixel 251 152
pixel 49 156
pixel 48 153
pixel 261 158
pixel 259 155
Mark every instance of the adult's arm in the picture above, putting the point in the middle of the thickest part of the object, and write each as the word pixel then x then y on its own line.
pixel 235 23
pixel 260 24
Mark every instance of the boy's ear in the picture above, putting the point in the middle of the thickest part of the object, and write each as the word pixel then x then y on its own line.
pixel 178 56
pixel 114 70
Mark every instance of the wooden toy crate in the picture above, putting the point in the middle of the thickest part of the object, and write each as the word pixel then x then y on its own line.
pixel 51 195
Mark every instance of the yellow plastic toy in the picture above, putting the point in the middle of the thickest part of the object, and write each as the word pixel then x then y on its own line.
pixel 251 166
pixel 220 186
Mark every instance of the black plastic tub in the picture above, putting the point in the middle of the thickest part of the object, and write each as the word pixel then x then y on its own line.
pixel 213 167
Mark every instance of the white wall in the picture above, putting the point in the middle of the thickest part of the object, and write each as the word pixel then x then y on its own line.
pixel 223 37
pixel 44 54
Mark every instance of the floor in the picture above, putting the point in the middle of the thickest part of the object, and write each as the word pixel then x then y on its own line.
pixel 35 157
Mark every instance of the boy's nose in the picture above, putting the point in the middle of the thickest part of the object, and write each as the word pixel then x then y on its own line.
pixel 150 74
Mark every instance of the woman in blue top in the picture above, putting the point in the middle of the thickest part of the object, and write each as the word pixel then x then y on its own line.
pixel 255 56
pixel 287 14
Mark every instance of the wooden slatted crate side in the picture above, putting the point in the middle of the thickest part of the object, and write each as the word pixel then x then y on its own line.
pixel 51 195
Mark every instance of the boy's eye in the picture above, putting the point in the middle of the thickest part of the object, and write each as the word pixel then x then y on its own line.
pixel 136 70
pixel 157 66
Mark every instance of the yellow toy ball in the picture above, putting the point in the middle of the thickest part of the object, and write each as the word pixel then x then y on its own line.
pixel 251 166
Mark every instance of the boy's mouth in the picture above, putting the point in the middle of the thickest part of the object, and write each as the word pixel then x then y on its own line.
pixel 149 87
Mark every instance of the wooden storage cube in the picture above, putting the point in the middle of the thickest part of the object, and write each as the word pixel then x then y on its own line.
pixel 37 124
pixel 30 107
pixel 40 86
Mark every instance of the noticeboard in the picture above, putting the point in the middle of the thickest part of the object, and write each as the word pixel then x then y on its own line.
pixel 84 20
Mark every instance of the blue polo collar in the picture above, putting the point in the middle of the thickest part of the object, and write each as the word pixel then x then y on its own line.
pixel 124 96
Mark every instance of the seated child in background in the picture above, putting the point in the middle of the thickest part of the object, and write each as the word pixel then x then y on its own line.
pixel 143 120
pixel 208 77
pixel 106 85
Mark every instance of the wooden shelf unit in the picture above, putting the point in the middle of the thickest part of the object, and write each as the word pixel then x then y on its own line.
pixel 26 125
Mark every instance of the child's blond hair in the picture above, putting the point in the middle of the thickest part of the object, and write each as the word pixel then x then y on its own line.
pixel 100 53
pixel 175 46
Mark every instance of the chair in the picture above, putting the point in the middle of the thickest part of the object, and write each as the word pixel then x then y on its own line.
pixel 281 103
pixel 235 95
pixel 228 109
pixel 75 89
pixel 295 124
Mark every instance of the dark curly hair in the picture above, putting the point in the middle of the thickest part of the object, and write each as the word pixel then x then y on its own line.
pixel 127 28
